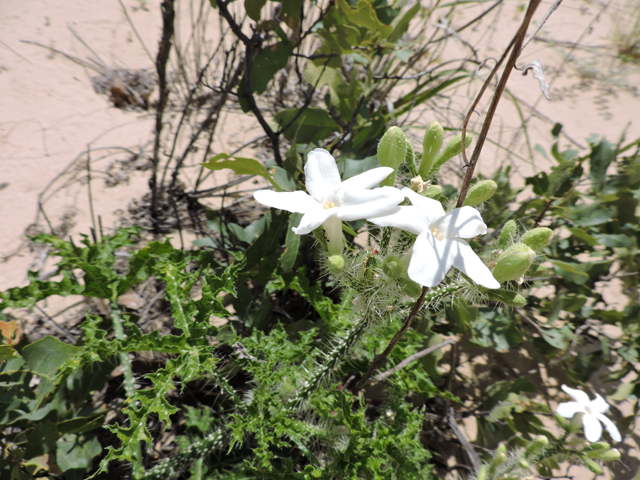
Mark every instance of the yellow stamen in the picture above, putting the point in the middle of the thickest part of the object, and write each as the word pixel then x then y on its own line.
pixel 437 234
pixel 328 205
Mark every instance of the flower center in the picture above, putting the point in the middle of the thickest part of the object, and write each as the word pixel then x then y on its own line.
pixel 588 409
pixel 328 205
pixel 438 234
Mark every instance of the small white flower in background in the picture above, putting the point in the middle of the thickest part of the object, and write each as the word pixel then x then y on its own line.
pixel 440 243
pixel 330 200
pixel 592 414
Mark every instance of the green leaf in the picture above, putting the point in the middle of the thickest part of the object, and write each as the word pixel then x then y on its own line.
pixel 292 243
pixel 7 353
pixel 573 268
pixel 267 63
pixel 594 214
pixel 44 358
pixel 253 7
pixel 613 240
pixel 581 234
pixel 76 452
pixel 622 392
pixel 601 157
pixel 312 126
pixel 241 166
pixel 364 16
pixel 401 23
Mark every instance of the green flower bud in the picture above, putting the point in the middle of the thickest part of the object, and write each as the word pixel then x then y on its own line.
pixel 336 264
pixel 411 288
pixel 453 148
pixel 508 297
pixel 591 465
pixel 523 464
pixel 610 455
pixel 392 151
pixel 480 192
pixel 536 444
pixel 434 191
pixel 598 446
pixel 393 267
pixel 482 473
pixel 431 145
pixel 410 160
pixel 501 450
pixel 514 262
pixel 498 459
pixel 538 238
pixel 562 421
pixel 507 234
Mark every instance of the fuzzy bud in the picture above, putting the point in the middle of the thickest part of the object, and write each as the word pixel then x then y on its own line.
pixel 336 264
pixel 410 159
pixel 598 446
pixel 480 192
pixel 393 267
pixel 514 262
pixel 434 191
pixel 433 140
pixel 508 297
pixel 482 473
pixel 391 153
pixel 453 148
pixel 591 465
pixel 536 444
pixel 411 288
pixel 522 463
pixel 562 421
pixel 507 234
pixel 538 238
pixel 606 455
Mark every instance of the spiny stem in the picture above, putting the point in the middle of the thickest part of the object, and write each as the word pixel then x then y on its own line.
pixel 129 383
pixel 172 467
pixel 332 360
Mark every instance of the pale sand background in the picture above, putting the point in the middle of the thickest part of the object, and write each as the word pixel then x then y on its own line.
pixel 49 112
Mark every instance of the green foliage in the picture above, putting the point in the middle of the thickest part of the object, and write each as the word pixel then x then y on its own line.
pixel 272 391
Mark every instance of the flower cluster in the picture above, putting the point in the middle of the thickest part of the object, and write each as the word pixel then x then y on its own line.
pixel 440 243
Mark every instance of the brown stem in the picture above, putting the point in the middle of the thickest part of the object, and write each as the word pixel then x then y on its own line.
pixel 168 16
pixel 515 46
pixel 250 45
pixel 396 338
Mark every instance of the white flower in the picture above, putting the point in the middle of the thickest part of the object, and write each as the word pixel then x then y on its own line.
pixel 439 245
pixel 329 197
pixel 592 414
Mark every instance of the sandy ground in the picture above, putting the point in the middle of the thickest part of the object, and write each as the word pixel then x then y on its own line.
pixel 50 114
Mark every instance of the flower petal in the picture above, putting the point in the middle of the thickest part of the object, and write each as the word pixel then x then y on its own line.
pixel 466 260
pixel 357 204
pixel 430 261
pixel 464 222
pixel 432 210
pixel 610 426
pixel 365 180
pixel 408 219
pixel 313 219
pixel 298 202
pixel 599 405
pixel 322 175
pixel 578 395
pixel 569 409
pixel 592 427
